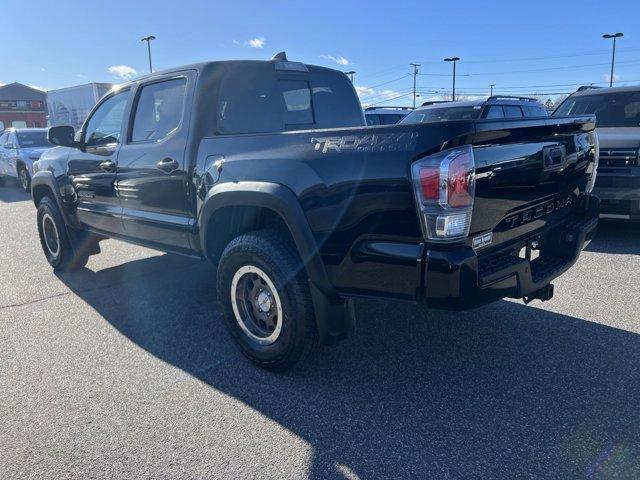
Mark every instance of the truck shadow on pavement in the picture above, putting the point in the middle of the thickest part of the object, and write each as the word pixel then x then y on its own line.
pixel 11 193
pixel 507 391
pixel 616 237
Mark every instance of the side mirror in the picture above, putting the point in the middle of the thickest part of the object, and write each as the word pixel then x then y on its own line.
pixel 62 136
pixel 9 146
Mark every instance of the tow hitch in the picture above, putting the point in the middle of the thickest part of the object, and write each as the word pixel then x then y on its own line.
pixel 544 294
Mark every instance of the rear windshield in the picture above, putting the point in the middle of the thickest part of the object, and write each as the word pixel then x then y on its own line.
pixel 33 139
pixel 258 99
pixel 619 109
pixel 443 114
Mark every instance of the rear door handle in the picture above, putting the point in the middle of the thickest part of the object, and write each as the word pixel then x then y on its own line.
pixel 168 165
pixel 108 166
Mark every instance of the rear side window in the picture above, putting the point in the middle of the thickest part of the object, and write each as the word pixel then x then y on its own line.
pixel 297 101
pixel 159 110
pixel 511 111
pixel 494 111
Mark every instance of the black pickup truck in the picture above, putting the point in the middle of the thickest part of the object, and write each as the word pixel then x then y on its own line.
pixel 267 169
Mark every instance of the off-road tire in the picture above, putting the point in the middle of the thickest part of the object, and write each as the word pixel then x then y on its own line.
pixel 56 245
pixel 273 253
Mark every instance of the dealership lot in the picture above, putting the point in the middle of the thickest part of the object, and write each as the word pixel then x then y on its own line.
pixel 123 370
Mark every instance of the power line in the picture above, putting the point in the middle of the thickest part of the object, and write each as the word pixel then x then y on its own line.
pixel 390 81
pixel 389 99
pixel 547 69
pixel 386 94
pixel 527 59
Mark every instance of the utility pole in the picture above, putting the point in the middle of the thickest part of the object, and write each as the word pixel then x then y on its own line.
pixel 454 60
pixel 492 85
pixel 415 74
pixel 148 40
pixel 613 54
pixel 350 74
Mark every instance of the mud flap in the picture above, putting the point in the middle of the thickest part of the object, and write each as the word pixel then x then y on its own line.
pixel 335 318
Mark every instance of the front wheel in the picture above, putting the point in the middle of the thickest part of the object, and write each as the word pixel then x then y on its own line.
pixel 55 240
pixel 24 178
pixel 265 300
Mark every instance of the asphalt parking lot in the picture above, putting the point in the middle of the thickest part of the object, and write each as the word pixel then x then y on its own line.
pixel 123 370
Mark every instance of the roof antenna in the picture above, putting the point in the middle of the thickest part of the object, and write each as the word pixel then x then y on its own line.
pixel 280 56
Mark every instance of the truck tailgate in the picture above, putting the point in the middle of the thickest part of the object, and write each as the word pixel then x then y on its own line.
pixel 529 172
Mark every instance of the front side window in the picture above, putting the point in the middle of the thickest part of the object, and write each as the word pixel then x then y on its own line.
pixel 105 124
pixel 31 139
pixel 159 110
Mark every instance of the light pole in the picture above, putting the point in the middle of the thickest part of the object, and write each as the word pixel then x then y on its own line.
pixel 454 60
pixel 415 74
pixel 351 74
pixel 491 86
pixel 613 55
pixel 148 40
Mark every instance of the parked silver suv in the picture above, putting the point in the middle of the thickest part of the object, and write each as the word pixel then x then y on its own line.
pixel 19 148
pixel 617 111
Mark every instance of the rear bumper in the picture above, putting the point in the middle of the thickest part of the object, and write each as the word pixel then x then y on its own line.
pixel 619 192
pixel 460 279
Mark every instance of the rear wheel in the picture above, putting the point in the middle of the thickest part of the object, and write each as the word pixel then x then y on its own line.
pixel 24 178
pixel 265 300
pixel 54 239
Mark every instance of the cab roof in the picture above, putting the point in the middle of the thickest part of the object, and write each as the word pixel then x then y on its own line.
pixel 210 66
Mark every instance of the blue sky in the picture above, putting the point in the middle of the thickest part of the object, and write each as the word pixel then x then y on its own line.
pixel 522 47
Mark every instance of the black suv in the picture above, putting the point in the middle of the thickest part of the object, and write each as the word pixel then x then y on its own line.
pixel 495 107
pixel 267 169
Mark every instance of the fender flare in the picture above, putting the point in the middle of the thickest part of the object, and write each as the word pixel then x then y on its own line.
pixel 47 179
pixel 335 316
pixel 279 199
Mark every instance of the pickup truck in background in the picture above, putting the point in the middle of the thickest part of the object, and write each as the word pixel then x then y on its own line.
pixel 267 169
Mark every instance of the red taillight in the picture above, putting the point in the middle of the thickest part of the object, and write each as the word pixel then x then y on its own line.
pixel 430 182
pixel 458 181
pixel 444 186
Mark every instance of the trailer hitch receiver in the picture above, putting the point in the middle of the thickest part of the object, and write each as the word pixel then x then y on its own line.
pixel 544 294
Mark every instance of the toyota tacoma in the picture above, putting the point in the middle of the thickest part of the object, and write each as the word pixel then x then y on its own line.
pixel 268 170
